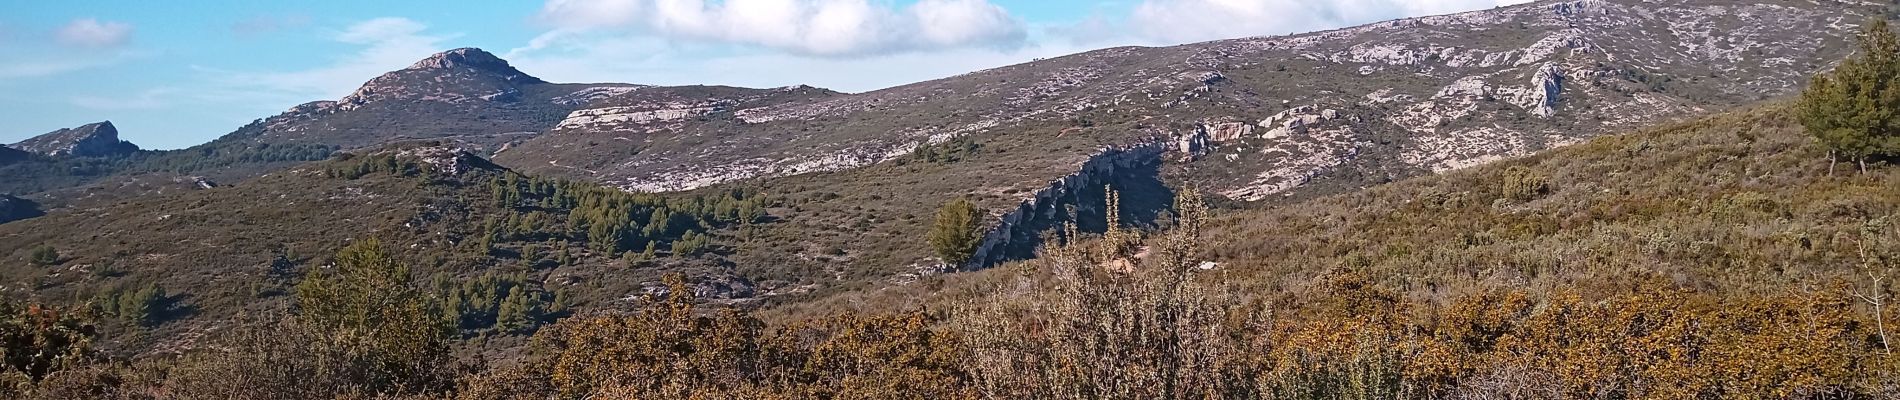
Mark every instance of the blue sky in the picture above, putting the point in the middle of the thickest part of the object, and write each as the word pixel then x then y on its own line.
pixel 174 74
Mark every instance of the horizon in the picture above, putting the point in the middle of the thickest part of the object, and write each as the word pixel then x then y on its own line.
pixel 170 82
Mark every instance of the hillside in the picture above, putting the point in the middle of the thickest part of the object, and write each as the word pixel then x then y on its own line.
pixel 226 251
pixel 852 179
pixel 1736 203
pixel 1578 199
pixel 1272 118
pixel 1263 116
pixel 1739 202
pixel 1715 258
pixel 1720 248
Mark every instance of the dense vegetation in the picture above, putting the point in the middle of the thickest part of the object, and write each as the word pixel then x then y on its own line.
pixel 1855 109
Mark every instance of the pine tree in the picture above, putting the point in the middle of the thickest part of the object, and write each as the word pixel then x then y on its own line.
pixel 45 255
pixel 367 305
pixel 956 232
pixel 517 311
pixel 1855 110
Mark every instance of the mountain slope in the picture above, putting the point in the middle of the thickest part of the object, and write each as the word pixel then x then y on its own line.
pixel 1267 115
pixel 224 251
pixel 1737 204
pixel 464 94
pixel 1251 119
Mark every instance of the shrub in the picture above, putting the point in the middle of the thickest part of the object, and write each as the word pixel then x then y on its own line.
pixel 1522 184
pixel 45 255
pixel 1855 110
pixel 957 232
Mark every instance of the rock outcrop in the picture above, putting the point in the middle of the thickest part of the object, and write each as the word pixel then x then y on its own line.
pixel 98 139
pixel 1018 231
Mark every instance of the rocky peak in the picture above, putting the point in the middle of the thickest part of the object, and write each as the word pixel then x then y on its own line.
pixel 98 139
pixel 473 59
pixel 461 76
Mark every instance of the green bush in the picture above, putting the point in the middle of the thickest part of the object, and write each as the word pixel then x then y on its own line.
pixel 1855 110
pixel 957 232
pixel 45 255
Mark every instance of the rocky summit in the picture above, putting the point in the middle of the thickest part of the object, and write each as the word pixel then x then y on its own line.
pixel 465 95
pixel 98 139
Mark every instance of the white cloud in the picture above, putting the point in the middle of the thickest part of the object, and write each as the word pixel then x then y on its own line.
pixel 90 32
pixel 40 68
pixel 804 27
pixel 37 64
pixel 1182 21
pixel 149 99
pixel 652 60
pixel 387 44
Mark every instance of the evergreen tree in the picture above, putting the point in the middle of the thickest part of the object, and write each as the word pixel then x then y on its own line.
pixel 956 232
pixel 1855 110
pixel 517 311
pixel 45 255
pixel 368 306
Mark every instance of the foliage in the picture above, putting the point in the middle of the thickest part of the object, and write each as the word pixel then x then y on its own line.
pixel 950 151
pixel 1109 324
pixel 356 167
pixel 144 306
pixel 1521 184
pixel 668 350
pixel 228 154
pixel 368 308
pixel 507 302
pixel 957 232
pixel 45 255
pixel 1855 110
pixel 611 220
pixel 37 341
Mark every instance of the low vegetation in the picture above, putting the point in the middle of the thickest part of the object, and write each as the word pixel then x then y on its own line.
pixel 1717 258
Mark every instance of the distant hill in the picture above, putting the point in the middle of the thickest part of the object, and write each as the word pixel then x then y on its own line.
pixel 464 95
pixel 1261 117
pixel 98 139
pixel 227 249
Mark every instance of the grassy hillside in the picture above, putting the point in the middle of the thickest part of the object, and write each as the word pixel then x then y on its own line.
pixel 1741 202
pixel 1710 259
pixel 475 231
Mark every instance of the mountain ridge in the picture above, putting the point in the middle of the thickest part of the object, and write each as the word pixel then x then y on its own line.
pixel 98 139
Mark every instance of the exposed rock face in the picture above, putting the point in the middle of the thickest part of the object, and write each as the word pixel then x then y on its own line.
pixel 1017 230
pixel 98 139
pixel 476 59
pixel 1541 97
